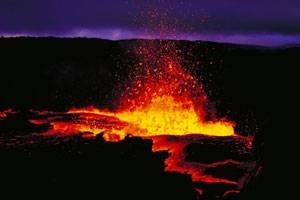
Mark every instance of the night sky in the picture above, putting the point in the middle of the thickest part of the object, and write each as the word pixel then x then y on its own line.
pixel 263 22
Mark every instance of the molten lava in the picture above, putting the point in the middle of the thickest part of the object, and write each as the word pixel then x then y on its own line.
pixel 165 116
pixel 161 98
pixel 162 102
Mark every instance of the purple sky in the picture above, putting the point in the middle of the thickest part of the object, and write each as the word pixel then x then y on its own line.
pixel 264 22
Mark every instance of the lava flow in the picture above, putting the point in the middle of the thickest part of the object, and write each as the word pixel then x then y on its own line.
pixel 162 102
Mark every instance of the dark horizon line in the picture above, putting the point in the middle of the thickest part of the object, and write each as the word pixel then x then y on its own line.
pixel 141 38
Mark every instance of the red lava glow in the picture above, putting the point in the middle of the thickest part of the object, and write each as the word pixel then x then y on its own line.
pixel 230 191
pixel 162 98
pixel 176 162
pixel 6 112
pixel 162 102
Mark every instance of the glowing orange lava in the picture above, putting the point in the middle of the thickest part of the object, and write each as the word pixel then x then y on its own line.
pixel 162 101
pixel 165 116
pixel 162 98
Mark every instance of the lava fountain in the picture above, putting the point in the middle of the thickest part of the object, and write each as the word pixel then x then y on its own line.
pixel 162 98
pixel 162 102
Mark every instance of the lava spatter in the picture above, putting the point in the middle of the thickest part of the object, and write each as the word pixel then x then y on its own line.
pixel 162 102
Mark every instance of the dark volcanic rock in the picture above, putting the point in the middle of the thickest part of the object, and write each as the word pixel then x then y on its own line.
pixel 90 167
pixel 244 82
pixel 228 171
pixel 210 151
